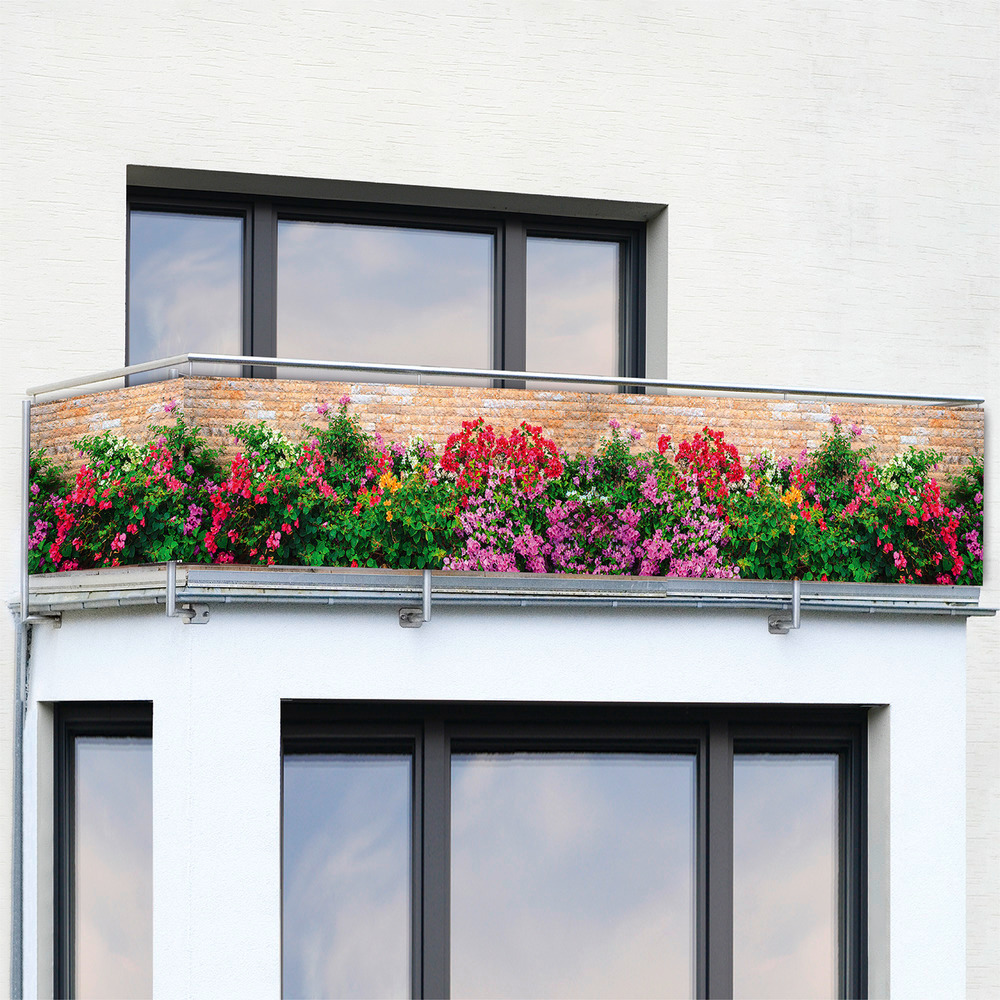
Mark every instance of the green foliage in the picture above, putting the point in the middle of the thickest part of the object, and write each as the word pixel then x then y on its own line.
pixel 45 474
pixel 508 502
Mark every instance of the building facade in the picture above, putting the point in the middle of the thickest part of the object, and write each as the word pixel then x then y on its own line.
pixel 802 198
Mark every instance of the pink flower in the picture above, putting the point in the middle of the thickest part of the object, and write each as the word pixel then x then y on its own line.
pixel 323 409
pixel 613 424
pixel 170 407
pixel 835 420
pixel 635 434
pixel 344 400
pixel 856 430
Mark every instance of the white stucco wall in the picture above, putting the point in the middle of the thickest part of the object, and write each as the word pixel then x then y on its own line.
pixel 217 690
pixel 830 173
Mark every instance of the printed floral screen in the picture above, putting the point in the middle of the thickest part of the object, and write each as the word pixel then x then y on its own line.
pixel 509 500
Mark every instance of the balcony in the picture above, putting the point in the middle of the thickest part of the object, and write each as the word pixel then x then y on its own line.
pixel 581 417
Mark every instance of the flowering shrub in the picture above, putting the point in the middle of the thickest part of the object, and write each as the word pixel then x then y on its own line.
pixel 835 515
pixel 508 502
pixel 129 504
pixel 476 455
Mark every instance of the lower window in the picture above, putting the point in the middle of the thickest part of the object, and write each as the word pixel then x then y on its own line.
pixel 104 850
pixel 434 850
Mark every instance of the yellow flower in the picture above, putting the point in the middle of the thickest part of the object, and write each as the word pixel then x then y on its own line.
pixel 792 497
pixel 387 481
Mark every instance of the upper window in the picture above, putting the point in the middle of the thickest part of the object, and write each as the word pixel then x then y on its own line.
pixel 332 282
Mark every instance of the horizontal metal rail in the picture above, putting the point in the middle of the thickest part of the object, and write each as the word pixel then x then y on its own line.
pixel 190 360
pixel 152 585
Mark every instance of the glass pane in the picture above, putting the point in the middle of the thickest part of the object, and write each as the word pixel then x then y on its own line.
pixel 572 875
pixel 384 294
pixel 185 287
pixel 785 875
pixel 113 868
pixel 573 308
pixel 346 876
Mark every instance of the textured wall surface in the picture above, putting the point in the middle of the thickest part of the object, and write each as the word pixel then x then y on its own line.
pixel 216 760
pixel 576 421
pixel 829 170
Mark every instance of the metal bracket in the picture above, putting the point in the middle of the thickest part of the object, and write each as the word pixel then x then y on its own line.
pixel 192 614
pixel 779 623
pixel 196 614
pixel 55 620
pixel 415 617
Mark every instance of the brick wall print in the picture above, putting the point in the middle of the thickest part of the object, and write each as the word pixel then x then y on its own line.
pixel 770 522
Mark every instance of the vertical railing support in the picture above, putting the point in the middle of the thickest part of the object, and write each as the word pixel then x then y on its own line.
pixel 780 623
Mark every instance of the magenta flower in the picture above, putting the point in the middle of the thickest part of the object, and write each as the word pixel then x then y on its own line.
pixel 323 409
pixel 345 400
pixel 835 420
pixel 170 407
pixel 635 434
pixel 856 430
pixel 613 424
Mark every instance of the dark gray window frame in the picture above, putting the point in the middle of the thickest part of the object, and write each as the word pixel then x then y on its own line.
pixel 433 731
pixel 510 231
pixel 72 720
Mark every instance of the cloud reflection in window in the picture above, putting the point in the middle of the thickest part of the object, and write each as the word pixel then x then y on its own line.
pixel 185 286
pixel 113 867
pixel 387 294
pixel 785 873
pixel 572 875
pixel 346 875
pixel 572 307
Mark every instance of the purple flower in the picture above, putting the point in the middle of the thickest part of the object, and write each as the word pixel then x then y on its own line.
pixel 170 407
pixel 856 430
pixel 613 424
pixel 835 420
pixel 344 400
pixel 635 434
pixel 323 409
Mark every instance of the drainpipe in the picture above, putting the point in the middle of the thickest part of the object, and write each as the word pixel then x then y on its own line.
pixel 20 708
pixel 25 619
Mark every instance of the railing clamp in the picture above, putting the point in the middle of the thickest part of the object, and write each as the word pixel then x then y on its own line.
pixel 191 614
pixel 779 623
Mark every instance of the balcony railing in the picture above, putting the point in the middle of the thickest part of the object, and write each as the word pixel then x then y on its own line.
pixel 184 364
pixel 193 585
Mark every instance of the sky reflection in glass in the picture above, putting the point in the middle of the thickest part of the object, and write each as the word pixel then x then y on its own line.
pixel 346 875
pixel 785 870
pixel 113 867
pixel 351 292
pixel 572 307
pixel 572 875
pixel 185 286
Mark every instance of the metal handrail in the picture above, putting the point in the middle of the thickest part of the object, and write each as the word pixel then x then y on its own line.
pixel 191 359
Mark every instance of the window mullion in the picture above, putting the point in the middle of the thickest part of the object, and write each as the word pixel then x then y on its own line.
pixel 435 945
pixel 263 304
pixel 513 337
pixel 719 874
